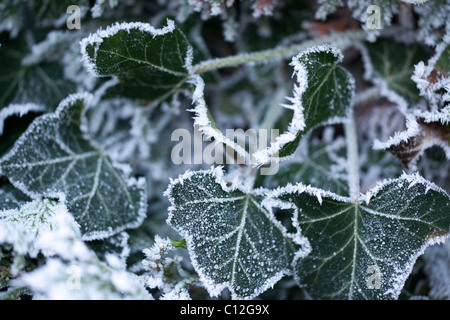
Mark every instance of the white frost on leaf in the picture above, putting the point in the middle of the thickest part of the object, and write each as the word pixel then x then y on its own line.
pixel 415 1
pixel 26 229
pixel 60 141
pixel 376 226
pixel 17 110
pixel 234 242
pixel 298 122
pixel 71 269
pixel 437 262
pixel 96 38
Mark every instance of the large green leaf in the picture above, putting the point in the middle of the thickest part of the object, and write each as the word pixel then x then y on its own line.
pixel 233 241
pixel 55 156
pixel 390 65
pixel 323 94
pixel 150 63
pixel 378 237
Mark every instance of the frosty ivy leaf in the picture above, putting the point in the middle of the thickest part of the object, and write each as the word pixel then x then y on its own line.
pixel 365 249
pixel 150 63
pixel 390 65
pixel 233 241
pixel 323 94
pixel 55 156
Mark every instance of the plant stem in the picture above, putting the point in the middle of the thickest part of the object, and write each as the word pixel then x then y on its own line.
pixel 367 95
pixel 352 158
pixel 340 40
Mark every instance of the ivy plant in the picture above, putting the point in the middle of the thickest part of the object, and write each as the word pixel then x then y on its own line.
pixel 225 149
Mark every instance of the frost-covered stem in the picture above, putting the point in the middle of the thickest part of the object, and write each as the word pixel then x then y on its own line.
pixel 341 40
pixel 352 158
pixel 367 95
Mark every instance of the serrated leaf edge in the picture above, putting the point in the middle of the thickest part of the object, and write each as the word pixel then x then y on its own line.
pixel 96 39
pixel 402 275
pixel 213 288
pixel 139 183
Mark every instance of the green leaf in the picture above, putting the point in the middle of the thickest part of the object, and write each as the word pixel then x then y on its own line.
pixel 390 65
pixel 233 241
pixel 355 242
pixel 55 156
pixel 150 63
pixel 323 94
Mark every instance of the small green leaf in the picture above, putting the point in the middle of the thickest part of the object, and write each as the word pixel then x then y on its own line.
pixel 55 156
pixel 366 249
pixel 233 241
pixel 150 63
pixel 323 94
pixel 391 64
